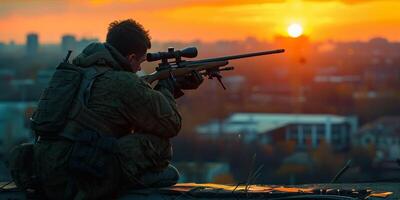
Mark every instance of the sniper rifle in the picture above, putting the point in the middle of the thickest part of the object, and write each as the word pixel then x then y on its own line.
pixel 210 67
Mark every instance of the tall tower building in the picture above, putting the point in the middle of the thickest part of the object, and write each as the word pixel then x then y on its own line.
pixel 68 42
pixel 32 43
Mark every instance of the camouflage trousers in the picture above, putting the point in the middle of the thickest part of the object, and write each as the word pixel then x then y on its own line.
pixel 133 155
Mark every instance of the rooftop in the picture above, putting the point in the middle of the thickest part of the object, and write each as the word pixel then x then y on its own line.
pixel 217 191
pixel 265 122
pixel 382 126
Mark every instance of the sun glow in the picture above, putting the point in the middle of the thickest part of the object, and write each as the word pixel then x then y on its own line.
pixel 295 30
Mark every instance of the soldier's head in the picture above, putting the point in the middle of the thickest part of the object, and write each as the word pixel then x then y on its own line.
pixel 131 40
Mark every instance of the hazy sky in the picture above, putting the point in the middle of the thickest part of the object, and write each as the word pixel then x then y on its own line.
pixel 206 20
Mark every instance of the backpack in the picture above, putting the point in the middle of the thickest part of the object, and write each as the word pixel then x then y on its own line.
pixel 66 98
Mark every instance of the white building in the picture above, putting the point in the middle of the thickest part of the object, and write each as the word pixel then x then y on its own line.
pixel 304 129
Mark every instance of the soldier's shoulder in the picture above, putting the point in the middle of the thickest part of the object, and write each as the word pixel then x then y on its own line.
pixel 126 79
pixel 121 77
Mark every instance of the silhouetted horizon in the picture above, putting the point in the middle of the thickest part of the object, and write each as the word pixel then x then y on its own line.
pixel 154 40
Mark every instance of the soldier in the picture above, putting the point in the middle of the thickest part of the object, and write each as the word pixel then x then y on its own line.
pixel 120 137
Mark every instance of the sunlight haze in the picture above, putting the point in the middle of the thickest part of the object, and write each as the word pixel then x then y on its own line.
pixel 188 20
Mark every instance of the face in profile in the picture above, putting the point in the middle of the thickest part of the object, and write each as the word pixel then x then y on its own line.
pixel 135 62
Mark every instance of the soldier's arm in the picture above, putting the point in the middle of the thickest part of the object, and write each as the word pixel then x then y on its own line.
pixel 150 111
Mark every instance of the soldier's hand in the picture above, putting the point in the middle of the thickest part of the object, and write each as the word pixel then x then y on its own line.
pixel 171 86
pixel 189 82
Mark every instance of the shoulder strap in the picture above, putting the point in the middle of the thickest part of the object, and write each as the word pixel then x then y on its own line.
pixel 81 116
pixel 89 76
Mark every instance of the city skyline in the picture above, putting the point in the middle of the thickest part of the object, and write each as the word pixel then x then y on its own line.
pixel 276 39
pixel 189 20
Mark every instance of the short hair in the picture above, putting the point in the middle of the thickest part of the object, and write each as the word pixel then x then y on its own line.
pixel 128 36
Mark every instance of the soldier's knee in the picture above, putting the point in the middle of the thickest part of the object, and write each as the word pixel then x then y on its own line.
pixel 167 177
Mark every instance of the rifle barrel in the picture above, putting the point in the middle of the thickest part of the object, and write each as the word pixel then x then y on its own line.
pixel 241 56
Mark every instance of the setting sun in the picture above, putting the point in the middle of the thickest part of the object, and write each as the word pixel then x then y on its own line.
pixel 295 30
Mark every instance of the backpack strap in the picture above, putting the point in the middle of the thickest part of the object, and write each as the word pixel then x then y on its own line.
pixel 81 118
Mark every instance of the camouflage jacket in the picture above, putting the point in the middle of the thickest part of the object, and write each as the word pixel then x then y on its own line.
pixel 124 99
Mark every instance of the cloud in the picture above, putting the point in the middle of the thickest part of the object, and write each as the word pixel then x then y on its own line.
pixel 228 19
pixel 36 7
pixel 33 7
pixel 235 2
pixel 351 2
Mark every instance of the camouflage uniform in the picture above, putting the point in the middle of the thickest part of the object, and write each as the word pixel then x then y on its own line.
pixel 146 119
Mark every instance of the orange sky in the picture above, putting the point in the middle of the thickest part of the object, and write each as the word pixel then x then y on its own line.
pixel 206 20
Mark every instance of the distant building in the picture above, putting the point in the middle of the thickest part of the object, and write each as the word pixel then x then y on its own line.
pixel 7 75
pixel 25 90
pixel 384 134
pixel 32 43
pixel 14 124
pixel 273 93
pixel 306 130
pixel 43 76
pixel 2 45
pixel 337 79
pixel 84 42
pixel 68 42
pixel 236 85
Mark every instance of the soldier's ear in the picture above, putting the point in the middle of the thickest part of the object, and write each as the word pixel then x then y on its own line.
pixel 131 56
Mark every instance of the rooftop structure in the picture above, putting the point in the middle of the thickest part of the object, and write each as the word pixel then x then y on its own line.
pixel 384 135
pixel 269 127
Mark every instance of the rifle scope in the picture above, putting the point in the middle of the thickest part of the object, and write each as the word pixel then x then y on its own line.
pixel 189 52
